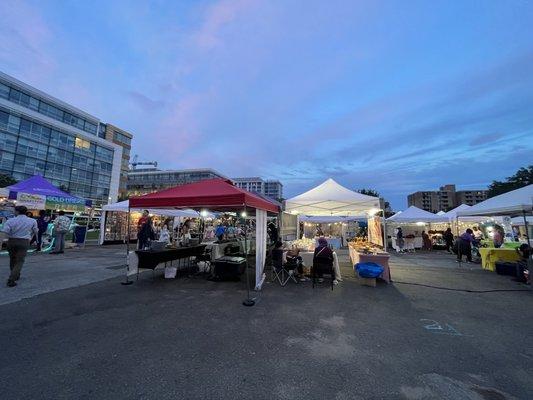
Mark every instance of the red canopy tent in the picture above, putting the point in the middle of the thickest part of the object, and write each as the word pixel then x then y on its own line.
pixel 216 195
pixel 212 194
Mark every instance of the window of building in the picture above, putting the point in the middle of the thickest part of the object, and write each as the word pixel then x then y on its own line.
pixel 59 156
pixel 13 124
pixel 4 91
pixel 28 165
pixel 6 160
pixel 105 154
pixel 32 149
pixel 90 127
pixel 57 171
pixel 119 137
pixel 8 141
pixel 61 140
pixel 81 144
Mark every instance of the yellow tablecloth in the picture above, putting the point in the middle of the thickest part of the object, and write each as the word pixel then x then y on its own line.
pixel 489 256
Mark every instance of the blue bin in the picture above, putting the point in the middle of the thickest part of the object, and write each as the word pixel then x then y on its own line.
pixel 368 269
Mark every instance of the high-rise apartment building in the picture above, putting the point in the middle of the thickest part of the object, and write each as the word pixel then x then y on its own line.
pixel 445 199
pixel 40 134
pixel 150 180
pixel 269 188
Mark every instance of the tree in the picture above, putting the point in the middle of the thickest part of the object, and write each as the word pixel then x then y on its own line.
pixel 369 192
pixel 522 177
pixel 375 193
pixel 6 180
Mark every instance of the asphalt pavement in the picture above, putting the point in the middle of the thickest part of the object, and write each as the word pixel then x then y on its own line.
pixel 190 338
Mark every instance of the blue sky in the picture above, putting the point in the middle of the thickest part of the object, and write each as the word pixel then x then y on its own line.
pixel 396 96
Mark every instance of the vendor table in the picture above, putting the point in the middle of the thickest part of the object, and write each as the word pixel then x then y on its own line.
pixel 490 256
pixel 217 249
pixel 307 259
pixel 379 258
pixel 149 259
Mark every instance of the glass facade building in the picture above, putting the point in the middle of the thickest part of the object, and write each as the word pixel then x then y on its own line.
pixel 42 135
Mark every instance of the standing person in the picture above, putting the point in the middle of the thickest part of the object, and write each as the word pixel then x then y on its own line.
pixel 61 227
pixel 164 234
pixel 448 239
pixel 220 231
pixel 142 220
pixel 399 239
pixel 42 225
pixel 146 234
pixel 465 246
pixel 497 238
pixel 426 241
pixel 19 230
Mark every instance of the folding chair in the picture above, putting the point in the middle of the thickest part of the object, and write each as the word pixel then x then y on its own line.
pixel 282 272
pixel 323 266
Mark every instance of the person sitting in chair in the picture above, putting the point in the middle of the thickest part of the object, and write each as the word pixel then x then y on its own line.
pixel 293 256
pixel 324 255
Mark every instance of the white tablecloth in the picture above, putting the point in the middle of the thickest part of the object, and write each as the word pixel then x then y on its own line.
pixel 307 259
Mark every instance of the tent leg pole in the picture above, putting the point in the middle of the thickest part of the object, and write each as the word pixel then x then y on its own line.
pixel 128 282
pixel 459 253
pixel 530 260
pixel 385 239
pixel 248 302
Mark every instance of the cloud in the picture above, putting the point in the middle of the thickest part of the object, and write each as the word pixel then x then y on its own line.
pixel 485 139
pixel 144 102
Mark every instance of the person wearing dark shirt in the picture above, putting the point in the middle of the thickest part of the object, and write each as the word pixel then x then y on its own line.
pixel 465 246
pixel 42 226
pixel 146 234
pixel 448 239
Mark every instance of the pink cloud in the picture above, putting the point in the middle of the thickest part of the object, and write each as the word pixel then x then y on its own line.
pixel 216 18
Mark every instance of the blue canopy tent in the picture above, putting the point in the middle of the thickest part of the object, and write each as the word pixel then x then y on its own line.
pixel 37 193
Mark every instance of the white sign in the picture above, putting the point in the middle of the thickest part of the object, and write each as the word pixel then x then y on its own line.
pixel 31 201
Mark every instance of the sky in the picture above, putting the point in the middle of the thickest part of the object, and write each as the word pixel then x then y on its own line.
pixel 391 95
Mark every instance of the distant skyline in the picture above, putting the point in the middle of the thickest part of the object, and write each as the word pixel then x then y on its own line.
pixel 392 96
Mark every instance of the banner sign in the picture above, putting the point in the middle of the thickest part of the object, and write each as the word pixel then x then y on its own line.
pixel 42 202
pixel 31 201
pixel 65 203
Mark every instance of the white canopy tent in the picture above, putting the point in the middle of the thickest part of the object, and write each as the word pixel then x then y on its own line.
pixel 519 221
pixel 441 213
pixel 514 203
pixel 414 214
pixel 123 206
pixel 326 219
pixel 332 199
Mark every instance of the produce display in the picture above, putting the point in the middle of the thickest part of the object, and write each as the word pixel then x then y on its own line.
pixel 364 246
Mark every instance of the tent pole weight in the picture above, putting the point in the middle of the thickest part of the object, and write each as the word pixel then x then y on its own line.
pixel 127 282
pixel 248 302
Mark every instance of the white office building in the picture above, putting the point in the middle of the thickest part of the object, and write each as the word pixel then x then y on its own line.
pixel 40 134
